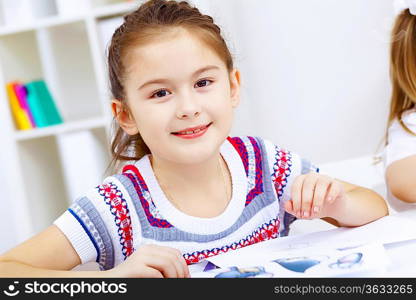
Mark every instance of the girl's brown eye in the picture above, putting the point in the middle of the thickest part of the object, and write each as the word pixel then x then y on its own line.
pixel 160 94
pixel 202 83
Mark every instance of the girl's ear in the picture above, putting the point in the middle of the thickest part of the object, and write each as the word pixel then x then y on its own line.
pixel 124 117
pixel 235 87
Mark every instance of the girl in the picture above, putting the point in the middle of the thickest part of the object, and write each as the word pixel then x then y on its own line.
pixel 188 190
pixel 400 151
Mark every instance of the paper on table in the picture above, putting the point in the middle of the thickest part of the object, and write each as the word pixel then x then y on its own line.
pixel 388 229
pixel 360 261
pixel 402 256
pixel 199 267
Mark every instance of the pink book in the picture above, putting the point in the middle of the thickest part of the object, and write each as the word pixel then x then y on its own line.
pixel 21 94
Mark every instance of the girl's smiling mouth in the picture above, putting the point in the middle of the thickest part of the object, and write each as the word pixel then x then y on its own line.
pixel 192 132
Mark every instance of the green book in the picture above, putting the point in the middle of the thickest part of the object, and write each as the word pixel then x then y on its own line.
pixel 41 104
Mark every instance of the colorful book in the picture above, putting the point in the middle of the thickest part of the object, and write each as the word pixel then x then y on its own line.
pixel 20 116
pixel 21 93
pixel 41 104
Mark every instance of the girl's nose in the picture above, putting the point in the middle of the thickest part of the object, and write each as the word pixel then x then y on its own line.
pixel 188 107
pixel 188 115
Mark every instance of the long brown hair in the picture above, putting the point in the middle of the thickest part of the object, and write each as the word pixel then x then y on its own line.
pixel 403 68
pixel 149 21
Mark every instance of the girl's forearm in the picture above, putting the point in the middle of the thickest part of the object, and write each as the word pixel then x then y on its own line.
pixel 17 269
pixel 360 206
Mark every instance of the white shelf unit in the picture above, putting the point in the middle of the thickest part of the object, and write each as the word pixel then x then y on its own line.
pixel 66 48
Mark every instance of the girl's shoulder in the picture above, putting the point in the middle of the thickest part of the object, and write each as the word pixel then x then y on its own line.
pixel 410 116
pixel 408 119
pixel 401 143
pixel 244 143
pixel 277 156
pixel 264 145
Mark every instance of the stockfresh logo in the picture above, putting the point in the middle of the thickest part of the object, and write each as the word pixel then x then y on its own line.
pixel 11 289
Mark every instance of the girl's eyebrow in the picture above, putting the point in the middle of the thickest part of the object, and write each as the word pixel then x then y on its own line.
pixel 165 80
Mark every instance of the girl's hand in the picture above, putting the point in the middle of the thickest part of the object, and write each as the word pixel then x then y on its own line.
pixel 315 196
pixel 152 261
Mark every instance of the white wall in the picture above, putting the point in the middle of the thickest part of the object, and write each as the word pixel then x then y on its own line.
pixel 315 72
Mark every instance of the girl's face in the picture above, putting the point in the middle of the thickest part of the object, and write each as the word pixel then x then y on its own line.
pixel 174 84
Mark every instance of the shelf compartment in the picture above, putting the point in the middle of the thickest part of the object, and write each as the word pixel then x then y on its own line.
pixel 69 71
pixel 42 180
pixel 20 58
pixel 84 157
pixel 24 12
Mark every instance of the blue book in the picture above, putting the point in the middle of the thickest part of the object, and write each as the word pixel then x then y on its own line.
pixel 41 104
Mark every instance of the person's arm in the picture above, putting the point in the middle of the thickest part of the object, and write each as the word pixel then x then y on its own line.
pixel 401 179
pixel 359 206
pixel 48 254
pixel 337 202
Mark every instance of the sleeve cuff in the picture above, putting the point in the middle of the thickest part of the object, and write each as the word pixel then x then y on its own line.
pixel 76 234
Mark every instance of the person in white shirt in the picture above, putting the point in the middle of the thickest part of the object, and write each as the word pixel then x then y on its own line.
pixel 400 150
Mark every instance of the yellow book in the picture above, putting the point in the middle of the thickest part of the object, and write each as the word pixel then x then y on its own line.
pixel 20 117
